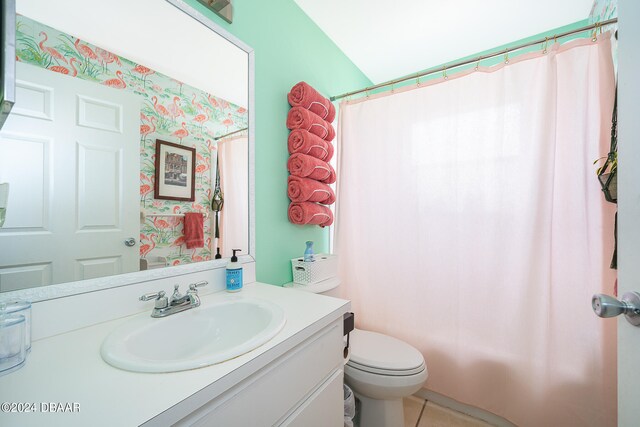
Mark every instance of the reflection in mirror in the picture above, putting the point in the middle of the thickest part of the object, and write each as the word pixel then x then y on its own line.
pixel 85 188
pixel 234 176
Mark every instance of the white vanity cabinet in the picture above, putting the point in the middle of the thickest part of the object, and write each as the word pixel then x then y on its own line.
pixel 301 388
pixel 295 379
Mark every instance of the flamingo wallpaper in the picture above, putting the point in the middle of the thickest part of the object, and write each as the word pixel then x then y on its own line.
pixel 172 111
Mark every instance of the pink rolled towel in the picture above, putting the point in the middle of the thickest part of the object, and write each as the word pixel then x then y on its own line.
pixel 301 141
pixel 303 95
pixel 299 118
pixel 309 167
pixel 309 190
pixel 310 213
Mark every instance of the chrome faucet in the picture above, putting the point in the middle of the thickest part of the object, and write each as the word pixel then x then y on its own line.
pixel 167 306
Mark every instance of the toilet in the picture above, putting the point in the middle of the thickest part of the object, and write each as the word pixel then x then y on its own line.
pixel 381 370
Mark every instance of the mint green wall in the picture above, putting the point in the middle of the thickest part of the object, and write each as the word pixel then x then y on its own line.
pixel 289 48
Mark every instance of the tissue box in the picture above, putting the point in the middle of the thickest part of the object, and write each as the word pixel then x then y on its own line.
pixel 324 267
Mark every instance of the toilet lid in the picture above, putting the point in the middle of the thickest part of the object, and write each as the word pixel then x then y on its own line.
pixel 383 353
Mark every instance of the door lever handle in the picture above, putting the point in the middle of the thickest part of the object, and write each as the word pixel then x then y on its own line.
pixel 608 306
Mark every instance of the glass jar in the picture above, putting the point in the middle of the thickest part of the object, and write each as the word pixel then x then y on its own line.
pixel 13 352
pixel 22 308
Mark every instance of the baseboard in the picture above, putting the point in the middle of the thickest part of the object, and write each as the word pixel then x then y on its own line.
pixel 472 411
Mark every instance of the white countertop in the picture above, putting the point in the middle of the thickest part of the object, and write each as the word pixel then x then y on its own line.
pixel 68 368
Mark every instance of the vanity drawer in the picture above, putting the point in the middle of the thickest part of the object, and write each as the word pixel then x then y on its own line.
pixel 323 408
pixel 265 397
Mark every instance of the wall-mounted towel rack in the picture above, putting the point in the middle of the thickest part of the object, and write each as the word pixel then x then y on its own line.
pixel 206 214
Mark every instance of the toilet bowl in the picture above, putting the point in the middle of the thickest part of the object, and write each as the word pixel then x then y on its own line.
pixel 381 371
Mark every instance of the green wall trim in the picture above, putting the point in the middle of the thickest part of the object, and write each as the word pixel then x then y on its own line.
pixel 289 47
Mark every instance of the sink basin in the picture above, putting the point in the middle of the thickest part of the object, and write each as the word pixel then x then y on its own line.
pixel 198 337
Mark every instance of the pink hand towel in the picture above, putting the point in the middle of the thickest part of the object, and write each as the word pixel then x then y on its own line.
pixel 309 190
pixel 301 141
pixel 194 230
pixel 309 167
pixel 303 95
pixel 299 118
pixel 310 213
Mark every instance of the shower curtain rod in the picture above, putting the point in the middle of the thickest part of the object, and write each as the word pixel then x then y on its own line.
pixel 229 134
pixel 596 26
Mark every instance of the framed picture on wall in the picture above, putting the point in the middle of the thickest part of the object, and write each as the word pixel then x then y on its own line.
pixel 175 172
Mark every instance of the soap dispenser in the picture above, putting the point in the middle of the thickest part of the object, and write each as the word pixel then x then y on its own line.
pixel 234 274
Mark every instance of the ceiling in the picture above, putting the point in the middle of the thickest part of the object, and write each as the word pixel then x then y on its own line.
pixel 387 39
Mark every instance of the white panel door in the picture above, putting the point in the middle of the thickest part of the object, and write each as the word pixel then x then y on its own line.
pixel 69 151
pixel 628 207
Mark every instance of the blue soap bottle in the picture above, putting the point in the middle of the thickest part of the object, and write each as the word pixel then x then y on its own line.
pixel 234 274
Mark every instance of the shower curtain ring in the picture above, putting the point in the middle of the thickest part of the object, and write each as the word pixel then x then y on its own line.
pixel 444 72
pixel 506 56
pixel 418 80
pixel 477 65
pixel 544 50
pixel 595 32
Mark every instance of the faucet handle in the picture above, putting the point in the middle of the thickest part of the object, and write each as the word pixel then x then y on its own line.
pixel 161 299
pixel 194 286
pixel 156 295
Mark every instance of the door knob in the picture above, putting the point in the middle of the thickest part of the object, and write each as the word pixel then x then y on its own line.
pixel 130 241
pixel 607 306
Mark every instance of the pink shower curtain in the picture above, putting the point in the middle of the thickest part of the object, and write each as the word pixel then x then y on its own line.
pixel 470 223
pixel 233 158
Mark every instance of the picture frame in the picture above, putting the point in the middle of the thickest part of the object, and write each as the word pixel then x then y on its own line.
pixel 175 167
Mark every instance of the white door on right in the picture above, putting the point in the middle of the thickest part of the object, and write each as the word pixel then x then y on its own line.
pixel 628 207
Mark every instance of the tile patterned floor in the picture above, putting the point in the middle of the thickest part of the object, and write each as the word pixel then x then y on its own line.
pixel 420 413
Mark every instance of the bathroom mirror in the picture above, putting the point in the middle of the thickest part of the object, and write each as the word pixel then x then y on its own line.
pixel 111 111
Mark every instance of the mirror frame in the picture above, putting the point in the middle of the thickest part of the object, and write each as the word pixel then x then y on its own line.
pixel 42 293
pixel 7 60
